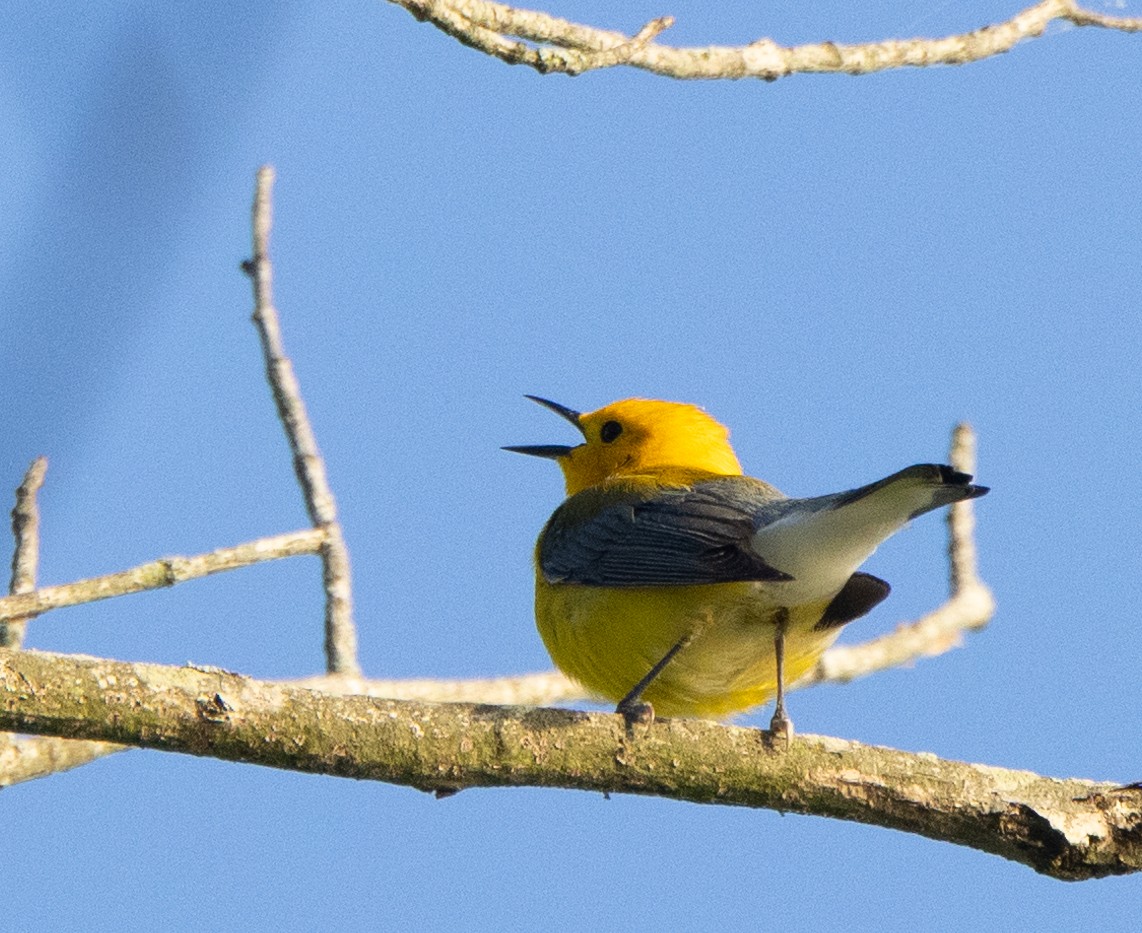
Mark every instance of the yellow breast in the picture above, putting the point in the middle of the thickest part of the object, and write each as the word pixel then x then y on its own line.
pixel 607 639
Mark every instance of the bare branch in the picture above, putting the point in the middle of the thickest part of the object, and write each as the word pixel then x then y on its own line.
pixel 24 759
pixel 164 572
pixel 572 48
pixel 1068 829
pixel 32 758
pixel 26 556
pixel 961 518
pixel 340 632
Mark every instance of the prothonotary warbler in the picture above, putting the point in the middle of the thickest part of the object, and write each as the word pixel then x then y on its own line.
pixel 670 582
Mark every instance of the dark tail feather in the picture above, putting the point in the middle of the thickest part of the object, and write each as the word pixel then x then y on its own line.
pixel 946 485
pixel 858 597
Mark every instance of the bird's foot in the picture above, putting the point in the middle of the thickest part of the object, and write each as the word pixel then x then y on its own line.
pixel 780 728
pixel 636 712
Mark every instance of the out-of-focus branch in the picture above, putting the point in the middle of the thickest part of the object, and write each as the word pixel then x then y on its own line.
pixel 340 631
pixel 572 48
pixel 1064 828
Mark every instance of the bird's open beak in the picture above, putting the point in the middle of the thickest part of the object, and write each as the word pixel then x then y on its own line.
pixel 550 451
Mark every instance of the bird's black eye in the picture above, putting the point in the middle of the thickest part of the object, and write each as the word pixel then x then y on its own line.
pixel 610 431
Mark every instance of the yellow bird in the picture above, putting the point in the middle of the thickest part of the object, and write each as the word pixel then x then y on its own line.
pixel 670 582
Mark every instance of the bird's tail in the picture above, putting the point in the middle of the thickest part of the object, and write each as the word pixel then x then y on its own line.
pixel 925 486
pixel 820 542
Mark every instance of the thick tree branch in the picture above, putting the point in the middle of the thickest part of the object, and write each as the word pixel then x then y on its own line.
pixel 1069 829
pixel 572 48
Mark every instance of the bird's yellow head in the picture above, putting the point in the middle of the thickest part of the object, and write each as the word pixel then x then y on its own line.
pixel 638 436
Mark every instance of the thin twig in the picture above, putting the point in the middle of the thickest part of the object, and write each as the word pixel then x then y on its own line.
pixel 26 555
pixel 340 632
pixel 963 566
pixel 24 759
pixel 572 48
pixel 164 572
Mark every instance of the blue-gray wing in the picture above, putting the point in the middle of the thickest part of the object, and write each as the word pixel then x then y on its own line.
pixel 689 535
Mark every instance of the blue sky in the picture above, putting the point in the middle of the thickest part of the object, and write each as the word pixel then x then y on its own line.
pixel 838 268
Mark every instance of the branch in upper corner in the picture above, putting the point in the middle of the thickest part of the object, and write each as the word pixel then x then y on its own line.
pixel 572 48
pixel 340 631
pixel 1064 828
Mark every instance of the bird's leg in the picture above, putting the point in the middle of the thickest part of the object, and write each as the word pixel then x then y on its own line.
pixel 634 710
pixel 780 724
